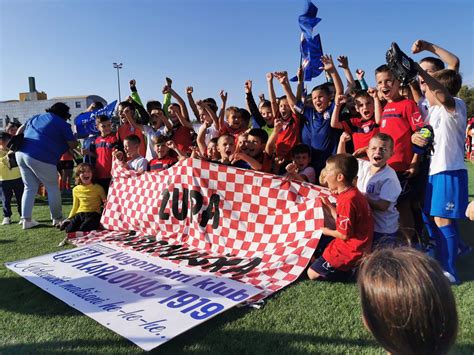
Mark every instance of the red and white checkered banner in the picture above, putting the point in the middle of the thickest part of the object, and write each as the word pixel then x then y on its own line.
pixel 253 227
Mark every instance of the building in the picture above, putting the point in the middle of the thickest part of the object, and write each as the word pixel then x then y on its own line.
pixel 33 102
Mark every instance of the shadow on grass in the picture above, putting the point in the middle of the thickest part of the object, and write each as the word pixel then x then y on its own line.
pixel 6 241
pixel 222 341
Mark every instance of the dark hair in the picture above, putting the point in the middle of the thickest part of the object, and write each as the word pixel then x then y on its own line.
pixel 211 103
pixel 282 98
pixel 97 105
pixel 4 136
pixel 12 124
pixel 259 133
pixel 438 63
pixel 345 164
pixel 244 114
pixel 361 93
pixel 152 105
pixel 266 103
pixel 301 149
pixel 382 69
pixel 160 139
pixel 323 87
pixel 407 302
pixel 450 79
pixel 125 104
pixel 101 118
pixel 133 138
pixel 384 138
pixel 213 140
pixel 60 109
pixel 79 169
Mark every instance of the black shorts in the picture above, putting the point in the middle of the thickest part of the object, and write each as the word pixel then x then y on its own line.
pixel 65 165
pixel 328 273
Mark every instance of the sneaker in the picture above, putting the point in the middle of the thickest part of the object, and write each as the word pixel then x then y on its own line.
pixel 29 224
pixel 6 220
pixel 20 221
pixel 57 222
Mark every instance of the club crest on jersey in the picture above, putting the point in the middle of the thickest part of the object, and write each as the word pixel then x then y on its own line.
pixel 343 221
pixel 326 115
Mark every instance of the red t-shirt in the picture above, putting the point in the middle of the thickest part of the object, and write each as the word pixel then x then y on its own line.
pixel 103 147
pixel 361 131
pixel 399 120
pixel 226 129
pixel 354 220
pixel 288 137
pixel 158 165
pixel 183 138
pixel 126 130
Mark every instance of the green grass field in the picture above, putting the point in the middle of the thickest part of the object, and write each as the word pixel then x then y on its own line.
pixel 306 317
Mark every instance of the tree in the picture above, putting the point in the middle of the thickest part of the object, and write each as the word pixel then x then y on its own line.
pixel 467 94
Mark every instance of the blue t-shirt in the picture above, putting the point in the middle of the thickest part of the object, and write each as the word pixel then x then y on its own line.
pixel 46 138
pixel 317 133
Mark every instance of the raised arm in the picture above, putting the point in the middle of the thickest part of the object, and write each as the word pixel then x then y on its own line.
pixel 171 145
pixel 341 147
pixel 271 93
pixel 270 148
pixel 282 77
pixel 361 78
pixel 192 104
pixel 377 104
pixel 344 64
pixel 220 122
pixel 340 100
pixel 131 119
pixel 299 88
pixel 439 91
pixel 252 105
pixel 449 58
pixel 201 139
pixel 181 103
pixel 328 66
pixel 134 92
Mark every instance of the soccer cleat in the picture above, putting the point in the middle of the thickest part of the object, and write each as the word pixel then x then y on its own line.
pixel 6 220
pixel 57 222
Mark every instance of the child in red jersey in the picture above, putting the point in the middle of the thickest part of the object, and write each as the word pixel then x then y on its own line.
pixel 167 154
pixel 400 119
pixel 127 109
pixel 102 149
pixel 286 131
pixel 354 223
pixel 361 128
pixel 234 124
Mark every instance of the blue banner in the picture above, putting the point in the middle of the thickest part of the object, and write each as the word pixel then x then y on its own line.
pixel 85 122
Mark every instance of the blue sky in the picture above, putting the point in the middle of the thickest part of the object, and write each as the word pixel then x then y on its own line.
pixel 69 46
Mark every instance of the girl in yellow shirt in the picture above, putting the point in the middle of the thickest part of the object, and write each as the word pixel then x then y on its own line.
pixel 87 199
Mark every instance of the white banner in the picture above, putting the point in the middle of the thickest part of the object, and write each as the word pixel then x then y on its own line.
pixel 146 299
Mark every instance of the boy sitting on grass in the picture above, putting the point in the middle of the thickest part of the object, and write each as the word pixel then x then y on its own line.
pixel 354 223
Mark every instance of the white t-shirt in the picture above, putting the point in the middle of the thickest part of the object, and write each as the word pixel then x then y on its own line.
pixel 424 106
pixel 383 185
pixel 449 137
pixel 149 133
pixel 139 163
pixel 309 173
pixel 211 132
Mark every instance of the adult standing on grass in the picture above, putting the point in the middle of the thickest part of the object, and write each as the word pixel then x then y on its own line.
pixel 47 137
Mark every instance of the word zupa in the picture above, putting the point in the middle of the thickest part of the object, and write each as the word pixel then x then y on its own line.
pixel 192 199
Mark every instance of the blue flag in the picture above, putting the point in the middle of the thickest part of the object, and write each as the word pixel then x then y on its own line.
pixel 309 20
pixel 311 52
pixel 85 122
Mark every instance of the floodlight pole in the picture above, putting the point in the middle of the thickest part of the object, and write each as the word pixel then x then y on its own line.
pixel 118 66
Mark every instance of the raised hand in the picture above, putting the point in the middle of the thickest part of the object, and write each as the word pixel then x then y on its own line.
pixel 166 89
pixel 345 137
pixel 341 99
pixel 269 76
pixel 133 82
pixel 223 95
pixel 170 144
pixel 360 74
pixel 419 46
pixel 328 64
pixel 343 62
pixel 189 90
pixel 248 86
pixel 261 97
pixel 373 92
pixel 292 168
pixel 169 82
pixel 278 125
pixel 281 76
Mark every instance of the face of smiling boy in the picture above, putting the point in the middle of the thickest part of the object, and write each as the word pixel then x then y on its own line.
pixel 387 85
